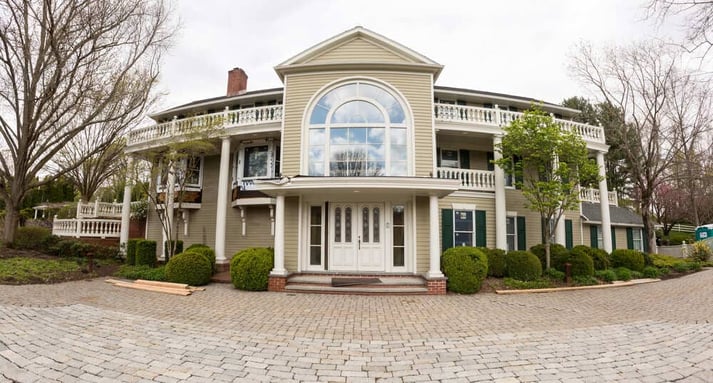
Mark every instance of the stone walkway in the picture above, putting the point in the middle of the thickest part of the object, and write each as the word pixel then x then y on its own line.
pixel 94 332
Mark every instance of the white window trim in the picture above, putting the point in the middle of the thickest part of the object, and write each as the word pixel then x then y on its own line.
pixel 239 158
pixel 160 187
pixel 514 225
pixel 457 161
pixel 472 239
pixel 640 240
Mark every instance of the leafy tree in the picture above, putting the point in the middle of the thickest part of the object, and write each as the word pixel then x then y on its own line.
pixel 551 164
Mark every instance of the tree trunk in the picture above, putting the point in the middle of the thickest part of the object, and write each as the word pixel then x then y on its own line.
pixel 12 219
pixel 648 228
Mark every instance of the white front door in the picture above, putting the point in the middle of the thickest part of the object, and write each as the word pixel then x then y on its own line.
pixel 356 237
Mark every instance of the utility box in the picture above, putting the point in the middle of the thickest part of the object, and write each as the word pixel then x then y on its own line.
pixel 704 232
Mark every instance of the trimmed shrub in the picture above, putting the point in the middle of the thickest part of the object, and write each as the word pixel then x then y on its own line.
pixel 523 265
pixel 600 258
pixel 651 272
pixel 558 255
pixel 700 252
pixel 631 259
pixel 205 251
pixel 190 268
pixel 554 274
pixel 31 237
pixel 166 244
pixel 585 280
pixel 465 267
pixel 606 275
pixel 623 274
pixel 250 268
pixel 636 274
pixel 497 267
pixel 131 251
pixel 142 272
pixel 146 253
pixel 196 245
pixel 582 264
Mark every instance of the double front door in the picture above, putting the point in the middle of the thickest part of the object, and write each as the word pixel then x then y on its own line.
pixel 356 236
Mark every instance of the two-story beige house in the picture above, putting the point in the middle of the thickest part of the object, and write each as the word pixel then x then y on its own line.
pixel 360 164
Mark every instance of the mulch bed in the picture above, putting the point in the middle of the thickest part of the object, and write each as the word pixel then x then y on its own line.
pixel 105 270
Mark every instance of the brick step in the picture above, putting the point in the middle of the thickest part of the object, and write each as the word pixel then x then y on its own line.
pixel 388 285
pixel 356 290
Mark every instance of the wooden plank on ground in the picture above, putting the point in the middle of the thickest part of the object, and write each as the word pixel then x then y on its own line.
pixel 157 289
pixel 162 284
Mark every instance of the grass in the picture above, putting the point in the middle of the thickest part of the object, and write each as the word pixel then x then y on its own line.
pixel 142 272
pixel 20 270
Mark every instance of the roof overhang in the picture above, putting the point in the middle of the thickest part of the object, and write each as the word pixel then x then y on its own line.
pixel 358 187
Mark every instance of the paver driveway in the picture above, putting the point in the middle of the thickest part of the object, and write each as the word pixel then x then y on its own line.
pixel 92 331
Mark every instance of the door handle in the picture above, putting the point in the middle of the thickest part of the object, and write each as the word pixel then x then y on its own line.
pixel 359 242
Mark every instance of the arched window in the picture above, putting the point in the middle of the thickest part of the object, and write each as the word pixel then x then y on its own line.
pixel 358 129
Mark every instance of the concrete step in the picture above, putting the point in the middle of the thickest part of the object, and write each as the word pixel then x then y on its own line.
pixel 358 290
pixel 389 285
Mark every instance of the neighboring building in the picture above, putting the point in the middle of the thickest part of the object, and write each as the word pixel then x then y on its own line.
pixel 361 164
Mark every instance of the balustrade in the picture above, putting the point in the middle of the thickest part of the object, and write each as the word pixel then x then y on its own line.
pixel 482 180
pixel 593 195
pixel 82 227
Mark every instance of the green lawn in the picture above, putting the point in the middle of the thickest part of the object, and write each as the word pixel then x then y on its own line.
pixel 21 270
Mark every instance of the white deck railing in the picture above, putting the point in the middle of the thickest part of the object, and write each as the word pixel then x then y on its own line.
pixel 481 180
pixel 87 227
pixel 499 118
pixel 593 195
pixel 218 121
pixel 98 209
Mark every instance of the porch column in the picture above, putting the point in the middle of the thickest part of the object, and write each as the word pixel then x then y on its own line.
pixel 126 209
pixel 501 240
pixel 604 203
pixel 279 270
pixel 560 231
pixel 222 202
pixel 434 270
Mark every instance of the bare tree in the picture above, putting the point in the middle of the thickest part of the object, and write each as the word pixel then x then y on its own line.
pixel 697 22
pixel 636 80
pixel 66 67
pixel 94 170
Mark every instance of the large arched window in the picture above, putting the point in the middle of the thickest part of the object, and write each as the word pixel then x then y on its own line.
pixel 358 129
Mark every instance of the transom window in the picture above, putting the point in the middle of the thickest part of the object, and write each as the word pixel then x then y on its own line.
pixel 358 129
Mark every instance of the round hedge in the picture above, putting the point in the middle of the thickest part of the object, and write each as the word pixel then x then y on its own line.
pixel 196 245
pixel 631 259
pixel 580 261
pixel 190 268
pixel 523 265
pixel 205 251
pixel 497 266
pixel 250 268
pixel 465 267
pixel 600 258
pixel 558 255
pixel 146 253
pixel 622 274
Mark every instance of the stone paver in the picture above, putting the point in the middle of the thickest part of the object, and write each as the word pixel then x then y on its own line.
pixel 90 331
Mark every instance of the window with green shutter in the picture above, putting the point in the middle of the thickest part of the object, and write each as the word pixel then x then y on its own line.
pixel 593 238
pixel 629 238
pixel 568 235
pixel 521 238
pixel 464 158
pixel 446 229
pixel 613 238
pixel 480 234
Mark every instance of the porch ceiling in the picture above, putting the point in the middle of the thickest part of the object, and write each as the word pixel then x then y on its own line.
pixel 358 187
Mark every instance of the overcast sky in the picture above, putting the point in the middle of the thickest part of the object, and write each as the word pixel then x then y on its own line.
pixel 513 47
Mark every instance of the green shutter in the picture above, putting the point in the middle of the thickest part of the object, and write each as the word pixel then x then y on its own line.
pixel 490 157
pixel 629 238
pixel 568 238
pixel 464 158
pixel 480 228
pixel 446 229
pixel 593 240
pixel 613 238
pixel 645 238
pixel 521 238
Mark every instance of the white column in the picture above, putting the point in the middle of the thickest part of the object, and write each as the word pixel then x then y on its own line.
pixel 221 214
pixel 604 203
pixel 560 232
pixel 126 208
pixel 434 270
pixel 501 239
pixel 279 269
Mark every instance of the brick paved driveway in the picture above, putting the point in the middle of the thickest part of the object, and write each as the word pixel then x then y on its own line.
pixel 92 331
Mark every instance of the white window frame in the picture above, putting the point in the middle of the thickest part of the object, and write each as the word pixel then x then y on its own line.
pixel 638 243
pixel 239 159
pixel 187 187
pixel 324 214
pixel 449 163
pixel 472 232
pixel 514 234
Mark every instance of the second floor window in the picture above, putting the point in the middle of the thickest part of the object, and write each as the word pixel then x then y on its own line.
pixel 358 129
pixel 257 159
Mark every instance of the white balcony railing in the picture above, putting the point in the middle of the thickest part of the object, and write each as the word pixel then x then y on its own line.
pixel 592 195
pixel 98 209
pixel 219 121
pixel 481 180
pixel 499 118
pixel 96 228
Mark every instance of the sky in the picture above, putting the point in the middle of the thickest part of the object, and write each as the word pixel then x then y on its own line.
pixel 513 47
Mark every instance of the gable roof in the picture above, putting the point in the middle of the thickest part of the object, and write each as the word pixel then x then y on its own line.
pixel 619 215
pixel 390 54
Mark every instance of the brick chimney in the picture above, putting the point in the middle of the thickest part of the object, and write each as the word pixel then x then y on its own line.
pixel 237 81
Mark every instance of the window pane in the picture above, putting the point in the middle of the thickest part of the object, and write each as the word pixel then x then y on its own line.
pixel 316 137
pixel 316 154
pixel 348 225
pixel 398 215
pixel 376 153
pixel 319 115
pixel 463 239
pixel 357 112
pixel 463 221
pixel 338 224
pixel 357 135
pixel 316 169
pixel 315 255
pixel 338 136
pixel 365 224
pixel 511 243
pixel 315 237
pixel 398 136
pixel 398 168
pixel 255 161
pixel 398 236
pixel 398 153
pixel 375 135
pixel 396 113
pixel 399 258
pixel 376 225
pixel 315 215
pixel 510 225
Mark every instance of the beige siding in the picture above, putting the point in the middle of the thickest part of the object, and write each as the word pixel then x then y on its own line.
pixel 422 235
pixel 485 204
pixel 515 201
pixel 620 233
pixel 291 232
pixel 415 87
pixel 357 50
pixel 478 160
pixel 257 229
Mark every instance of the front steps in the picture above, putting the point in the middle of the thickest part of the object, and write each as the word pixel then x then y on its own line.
pixel 389 285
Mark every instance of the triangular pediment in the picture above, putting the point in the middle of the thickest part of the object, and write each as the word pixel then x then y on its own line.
pixel 358 46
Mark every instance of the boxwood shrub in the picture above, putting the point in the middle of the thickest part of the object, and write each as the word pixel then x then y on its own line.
pixel 146 253
pixel 497 267
pixel 131 251
pixel 631 259
pixel 191 268
pixel 196 245
pixel 205 251
pixel 582 264
pixel 622 274
pixel 32 238
pixel 523 265
pixel 600 258
pixel 166 244
pixel 250 268
pixel 606 275
pixel 465 267
pixel 558 255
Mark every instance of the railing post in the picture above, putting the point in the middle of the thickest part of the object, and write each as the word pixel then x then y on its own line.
pixel 496 115
pixel 96 209
pixel 79 208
